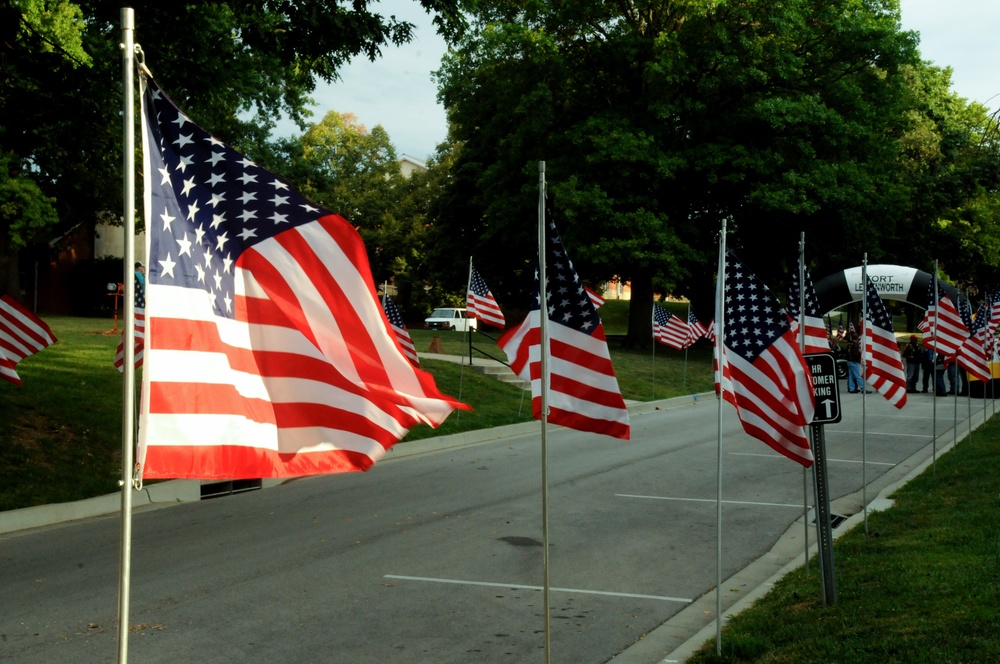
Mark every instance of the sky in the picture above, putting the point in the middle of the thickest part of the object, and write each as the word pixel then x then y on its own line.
pixel 397 90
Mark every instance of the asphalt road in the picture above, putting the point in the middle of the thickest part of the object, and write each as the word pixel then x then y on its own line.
pixel 438 558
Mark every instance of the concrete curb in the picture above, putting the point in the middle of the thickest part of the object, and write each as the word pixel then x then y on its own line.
pixel 172 492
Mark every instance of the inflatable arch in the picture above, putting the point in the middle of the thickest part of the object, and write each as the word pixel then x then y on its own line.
pixel 893 282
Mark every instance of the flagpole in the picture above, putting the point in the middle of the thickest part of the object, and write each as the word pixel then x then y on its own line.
pixel 802 347
pixel 685 349
pixel 128 384
pixel 934 335
pixel 468 325
pixel 543 315
pixel 864 387
pixel 720 333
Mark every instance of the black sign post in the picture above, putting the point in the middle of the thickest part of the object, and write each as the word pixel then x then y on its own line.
pixel 823 370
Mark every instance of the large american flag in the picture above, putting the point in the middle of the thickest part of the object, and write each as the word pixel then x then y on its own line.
pixel 267 352
pixel 399 329
pixel 670 330
pixel 140 329
pixel 763 373
pixel 480 303
pixel 884 365
pixel 22 334
pixel 816 340
pixel 583 392
pixel 944 331
pixel 972 354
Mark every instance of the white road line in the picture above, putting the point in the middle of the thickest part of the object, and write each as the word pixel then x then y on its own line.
pixel 778 456
pixel 518 586
pixel 708 500
pixel 889 433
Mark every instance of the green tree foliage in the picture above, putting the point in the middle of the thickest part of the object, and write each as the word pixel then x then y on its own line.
pixel 235 67
pixel 658 119
pixel 345 167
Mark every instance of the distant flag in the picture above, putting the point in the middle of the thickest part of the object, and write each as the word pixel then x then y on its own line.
pixel 944 331
pixel 884 370
pixel 22 334
pixel 972 353
pixel 829 327
pixel 815 332
pixel 140 329
pixel 850 327
pixel 763 372
pixel 697 330
pixel 399 329
pixel 267 352
pixel 480 303
pixel 710 331
pixel 669 330
pixel 594 297
pixel 840 327
pixel 583 392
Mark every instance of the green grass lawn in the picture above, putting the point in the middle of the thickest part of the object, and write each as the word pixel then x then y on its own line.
pixel 922 586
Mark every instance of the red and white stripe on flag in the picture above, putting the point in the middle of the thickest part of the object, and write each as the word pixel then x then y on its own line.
pixel 944 331
pixel 596 299
pixel 773 396
pixel 306 379
pixel 583 390
pixel 139 344
pixel 883 362
pixel 972 356
pixel 480 303
pixel 815 335
pixel 267 352
pixel 22 334
pixel 669 330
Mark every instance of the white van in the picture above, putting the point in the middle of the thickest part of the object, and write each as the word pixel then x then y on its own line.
pixel 449 318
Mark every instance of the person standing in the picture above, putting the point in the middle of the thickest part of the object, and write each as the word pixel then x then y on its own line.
pixel 927 367
pixel 912 353
pixel 854 382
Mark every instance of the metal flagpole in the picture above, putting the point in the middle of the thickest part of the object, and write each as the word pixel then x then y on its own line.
pixel 720 333
pixel 543 315
pixel 128 384
pixel 688 321
pixel 934 335
pixel 468 325
pixel 864 387
pixel 802 347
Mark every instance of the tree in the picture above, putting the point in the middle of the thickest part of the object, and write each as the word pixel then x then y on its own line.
pixel 658 119
pixel 235 67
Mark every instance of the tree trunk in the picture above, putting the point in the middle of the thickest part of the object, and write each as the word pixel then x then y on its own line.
pixel 640 311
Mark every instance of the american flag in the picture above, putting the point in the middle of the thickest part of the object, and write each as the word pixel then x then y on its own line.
pixel 697 330
pixel 480 303
pixel 944 331
pixel 840 327
pixel 884 369
pixel 140 329
pixel 22 333
pixel 583 392
pixel 763 372
pixel 669 330
pixel 594 297
pixel 972 353
pixel 399 329
pixel 815 331
pixel 267 352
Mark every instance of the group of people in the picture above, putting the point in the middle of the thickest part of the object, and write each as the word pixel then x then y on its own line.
pixel 921 365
